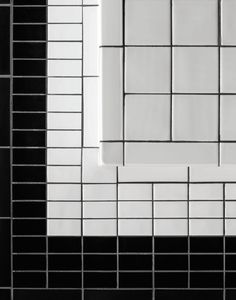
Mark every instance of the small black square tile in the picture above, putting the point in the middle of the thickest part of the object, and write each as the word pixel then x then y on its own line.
pixel 99 245
pixel 171 244
pixel 135 262
pixel 29 244
pixel 230 244
pixel 47 294
pixel 206 262
pixel 64 244
pixel 171 280
pixel 230 280
pixel 29 50
pixel 64 280
pixel 30 2
pixel 29 121
pixel 30 14
pixel 29 32
pixel 29 280
pixel 29 262
pixel 5 294
pixel 135 280
pixel 135 244
pixel 29 68
pixel 29 85
pixel 100 280
pixel 100 262
pixel 29 192
pixel 29 174
pixel 189 294
pixel 206 244
pixel 29 103
pixel 29 227
pixel 206 280
pixel 118 295
pixel 29 209
pixel 29 138
pixel 64 262
pixel 171 262
pixel 29 156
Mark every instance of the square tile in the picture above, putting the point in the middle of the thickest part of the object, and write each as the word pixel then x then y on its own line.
pixel 195 118
pixel 228 22
pixel 147 70
pixel 195 70
pixel 195 22
pixel 147 117
pixel 228 120
pixel 147 22
pixel 228 70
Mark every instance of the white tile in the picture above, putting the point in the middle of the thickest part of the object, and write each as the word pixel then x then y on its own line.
pixel 99 210
pixel 64 14
pixel 230 209
pixel 64 121
pixel 60 103
pixel 90 110
pixel 91 2
pixel 111 154
pixel 64 68
pixel 99 228
pixel 64 32
pixel 63 227
pixel 64 139
pixel 147 117
pixel 228 153
pixel 195 70
pixel 135 227
pixel 147 70
pixel 213 173
pixel 90 41
pixel 64 210
pixel 111 88
pixel 228 120
pixel 135 191
pixel 63 156
pixel 64 86
pixel 195 22
pixel 170 191
pixel 133 209
pixel 99 192
pixel 152 174
pixel 65 50
pixel 63 192
pixel 205 209
pixel 92 173
pixel 64 2
pixel 195 118
pixel 170 209
pixel 228 22
pixel 175 153
pixel 170 227
pixel 64 174
pixel 206 191
pixel 147 22
pixel 230 191
pixel 230 227
pixel 228 70
pixel 206 227
pixel 111 19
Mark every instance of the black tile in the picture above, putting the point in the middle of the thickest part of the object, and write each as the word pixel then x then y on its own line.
pixel 230 244
pixel 29 280
pixel 206 280
pixel 230 262
pixel 29 85
pixel 29 156
pixel 30 14
pixel 5 40
pixel 29 174
pixel 206 262
pixel 29 32
pixel 5 294
pixel 230 280
pixel 64 280
pixel 29 121
pixel 30 2
pixel 206 244
pixel 29 210
pixel 99 245
pixel 29 139
pixel 230 294
pixel 171 280
pixel 29 262
pixel 171 262
pixel 5 184
pixel 135 262
pixel 29 244
pixel 29 50
pixel 189 295
pixel 171 244
pixel 29 192
pixel 47 294
pixel 64 244
pixel 29 103
pixel 135 244
pixel 118 295
pixel 135 280
pixel 100 280
pixel 29 227
pixel 29 68
pixel 5 254
pixel 64 262
pixel 100 262
pixel 5 112
pixel 4 1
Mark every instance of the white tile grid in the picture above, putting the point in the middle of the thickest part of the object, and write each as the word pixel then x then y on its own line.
pixel 168 82
pixel 105 200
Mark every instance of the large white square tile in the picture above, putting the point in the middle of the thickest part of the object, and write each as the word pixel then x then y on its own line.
pixel 147 22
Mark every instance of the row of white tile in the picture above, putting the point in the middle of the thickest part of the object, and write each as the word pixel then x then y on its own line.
pixel 160 227
pixel 143 210
pixel 195 22
pixel 127 192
